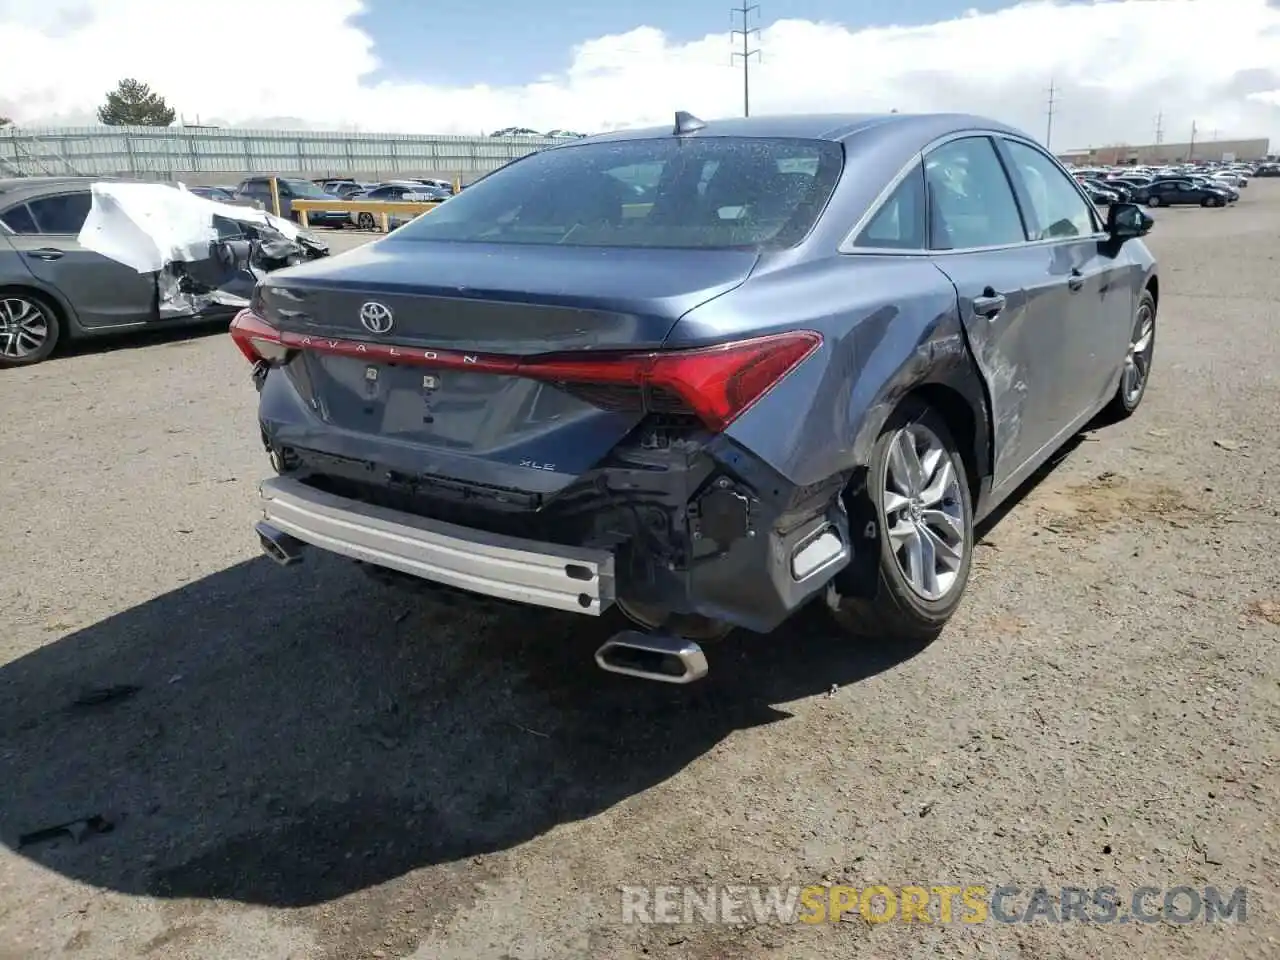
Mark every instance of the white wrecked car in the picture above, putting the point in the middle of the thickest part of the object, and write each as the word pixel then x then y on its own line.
pixel 80 257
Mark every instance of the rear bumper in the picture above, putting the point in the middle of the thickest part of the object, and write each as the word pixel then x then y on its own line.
pixel 573 579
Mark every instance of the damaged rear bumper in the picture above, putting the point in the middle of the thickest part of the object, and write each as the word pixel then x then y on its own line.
pixel 547 575
pixel 669 530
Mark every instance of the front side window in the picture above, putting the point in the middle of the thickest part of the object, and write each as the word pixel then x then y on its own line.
pixel 696 193
pixel 971 203
pixel 61 214
pixel 1057 209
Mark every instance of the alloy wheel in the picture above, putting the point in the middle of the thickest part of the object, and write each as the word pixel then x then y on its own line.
pixel 24 327
pixel 1137 360
pixel 923 511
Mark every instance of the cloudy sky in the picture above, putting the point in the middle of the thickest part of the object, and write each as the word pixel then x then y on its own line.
pixel 423 66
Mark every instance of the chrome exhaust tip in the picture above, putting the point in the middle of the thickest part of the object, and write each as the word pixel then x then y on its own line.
pixel 652 656
pixel 278 545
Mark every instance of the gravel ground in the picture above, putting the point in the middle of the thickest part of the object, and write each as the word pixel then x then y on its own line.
pixel 300 763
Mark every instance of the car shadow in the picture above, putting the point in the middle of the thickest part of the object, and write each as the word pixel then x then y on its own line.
pixel 159 334
pixel 287 737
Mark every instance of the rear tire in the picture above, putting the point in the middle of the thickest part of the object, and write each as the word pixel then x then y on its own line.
pixel 925 523
pixel 23 316
pixel 1153 201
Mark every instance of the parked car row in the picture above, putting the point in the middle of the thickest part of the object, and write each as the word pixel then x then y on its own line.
pixel 255 192
pixel 1162 188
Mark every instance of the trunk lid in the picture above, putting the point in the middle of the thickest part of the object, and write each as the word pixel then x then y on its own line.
pixel 479 425
pixel 503 298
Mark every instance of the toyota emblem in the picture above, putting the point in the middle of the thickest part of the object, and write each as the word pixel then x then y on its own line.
pixel 376 317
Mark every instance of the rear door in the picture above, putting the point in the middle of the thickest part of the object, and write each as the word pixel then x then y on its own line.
pixel 102 292
pixel 978 239
pixel 1090 307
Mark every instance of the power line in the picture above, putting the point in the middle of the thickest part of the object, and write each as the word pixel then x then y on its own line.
pixel 1053 101
pixel 747 51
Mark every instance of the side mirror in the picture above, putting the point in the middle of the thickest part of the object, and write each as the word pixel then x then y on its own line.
pixel 1126 221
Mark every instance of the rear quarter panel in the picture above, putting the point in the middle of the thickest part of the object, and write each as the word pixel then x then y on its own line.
pixel 888 323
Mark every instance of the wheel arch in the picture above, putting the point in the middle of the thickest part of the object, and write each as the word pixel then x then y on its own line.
pixel 958 394
pixel 66 315
pixel 1152 286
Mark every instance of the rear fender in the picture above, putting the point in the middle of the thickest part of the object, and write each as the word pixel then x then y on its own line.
pixel 66 311
pixel 944 374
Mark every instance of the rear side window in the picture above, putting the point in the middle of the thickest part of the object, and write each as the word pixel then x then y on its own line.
pixel 900 222
pixel 696 193
pixel 971 203
pixel 61 214
pixel 19 220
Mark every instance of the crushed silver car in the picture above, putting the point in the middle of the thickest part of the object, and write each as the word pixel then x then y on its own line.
pixel 81 257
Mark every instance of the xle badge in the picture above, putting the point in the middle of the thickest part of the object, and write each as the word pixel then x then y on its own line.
pixel 430 383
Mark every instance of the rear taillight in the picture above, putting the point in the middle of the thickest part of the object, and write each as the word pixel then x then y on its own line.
pixel 717 384
pixel 258 340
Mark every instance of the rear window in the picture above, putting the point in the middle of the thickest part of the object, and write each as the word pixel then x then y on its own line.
pixel 304 189
pixel 702 193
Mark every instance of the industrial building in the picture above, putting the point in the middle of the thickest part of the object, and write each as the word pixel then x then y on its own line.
pixel 1203 150
pixel 214 155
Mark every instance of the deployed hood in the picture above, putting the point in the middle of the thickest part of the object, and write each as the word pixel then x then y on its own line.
pixel 203 253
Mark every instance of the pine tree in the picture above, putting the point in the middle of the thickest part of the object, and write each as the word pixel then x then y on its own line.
pixel 133 104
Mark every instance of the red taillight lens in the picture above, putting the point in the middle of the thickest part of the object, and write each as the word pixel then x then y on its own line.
pixel 718 383
pixel 257 340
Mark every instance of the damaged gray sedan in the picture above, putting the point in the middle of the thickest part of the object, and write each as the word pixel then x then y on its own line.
pixel 817 354
pixel 82 257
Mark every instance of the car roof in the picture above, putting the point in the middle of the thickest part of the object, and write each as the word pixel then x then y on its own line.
pixel 15 189
pixel 818 126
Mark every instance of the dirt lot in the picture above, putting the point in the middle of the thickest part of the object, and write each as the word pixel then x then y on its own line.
pixel 303 764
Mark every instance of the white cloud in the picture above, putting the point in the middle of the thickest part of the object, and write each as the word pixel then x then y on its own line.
pixel 1115 65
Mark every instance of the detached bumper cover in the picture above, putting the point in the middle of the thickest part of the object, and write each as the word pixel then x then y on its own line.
pixel 574 579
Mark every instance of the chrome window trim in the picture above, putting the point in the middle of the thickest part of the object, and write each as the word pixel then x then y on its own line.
pixel 848 246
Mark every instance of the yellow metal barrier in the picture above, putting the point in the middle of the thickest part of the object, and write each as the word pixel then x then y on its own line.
pixel 382 209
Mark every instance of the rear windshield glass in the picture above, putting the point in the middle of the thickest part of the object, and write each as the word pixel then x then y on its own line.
pixel 713 192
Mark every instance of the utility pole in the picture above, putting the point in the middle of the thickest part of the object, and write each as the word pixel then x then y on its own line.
pixel 1048 133
pixel 1191 147
pixel 1159 128
pixel 747 51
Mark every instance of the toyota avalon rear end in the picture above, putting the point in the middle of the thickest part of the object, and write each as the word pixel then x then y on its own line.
pixel 488 399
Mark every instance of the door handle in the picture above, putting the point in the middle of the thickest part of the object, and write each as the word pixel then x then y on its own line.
pixel 989 304
pixel 1075 281
pixel 45 253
